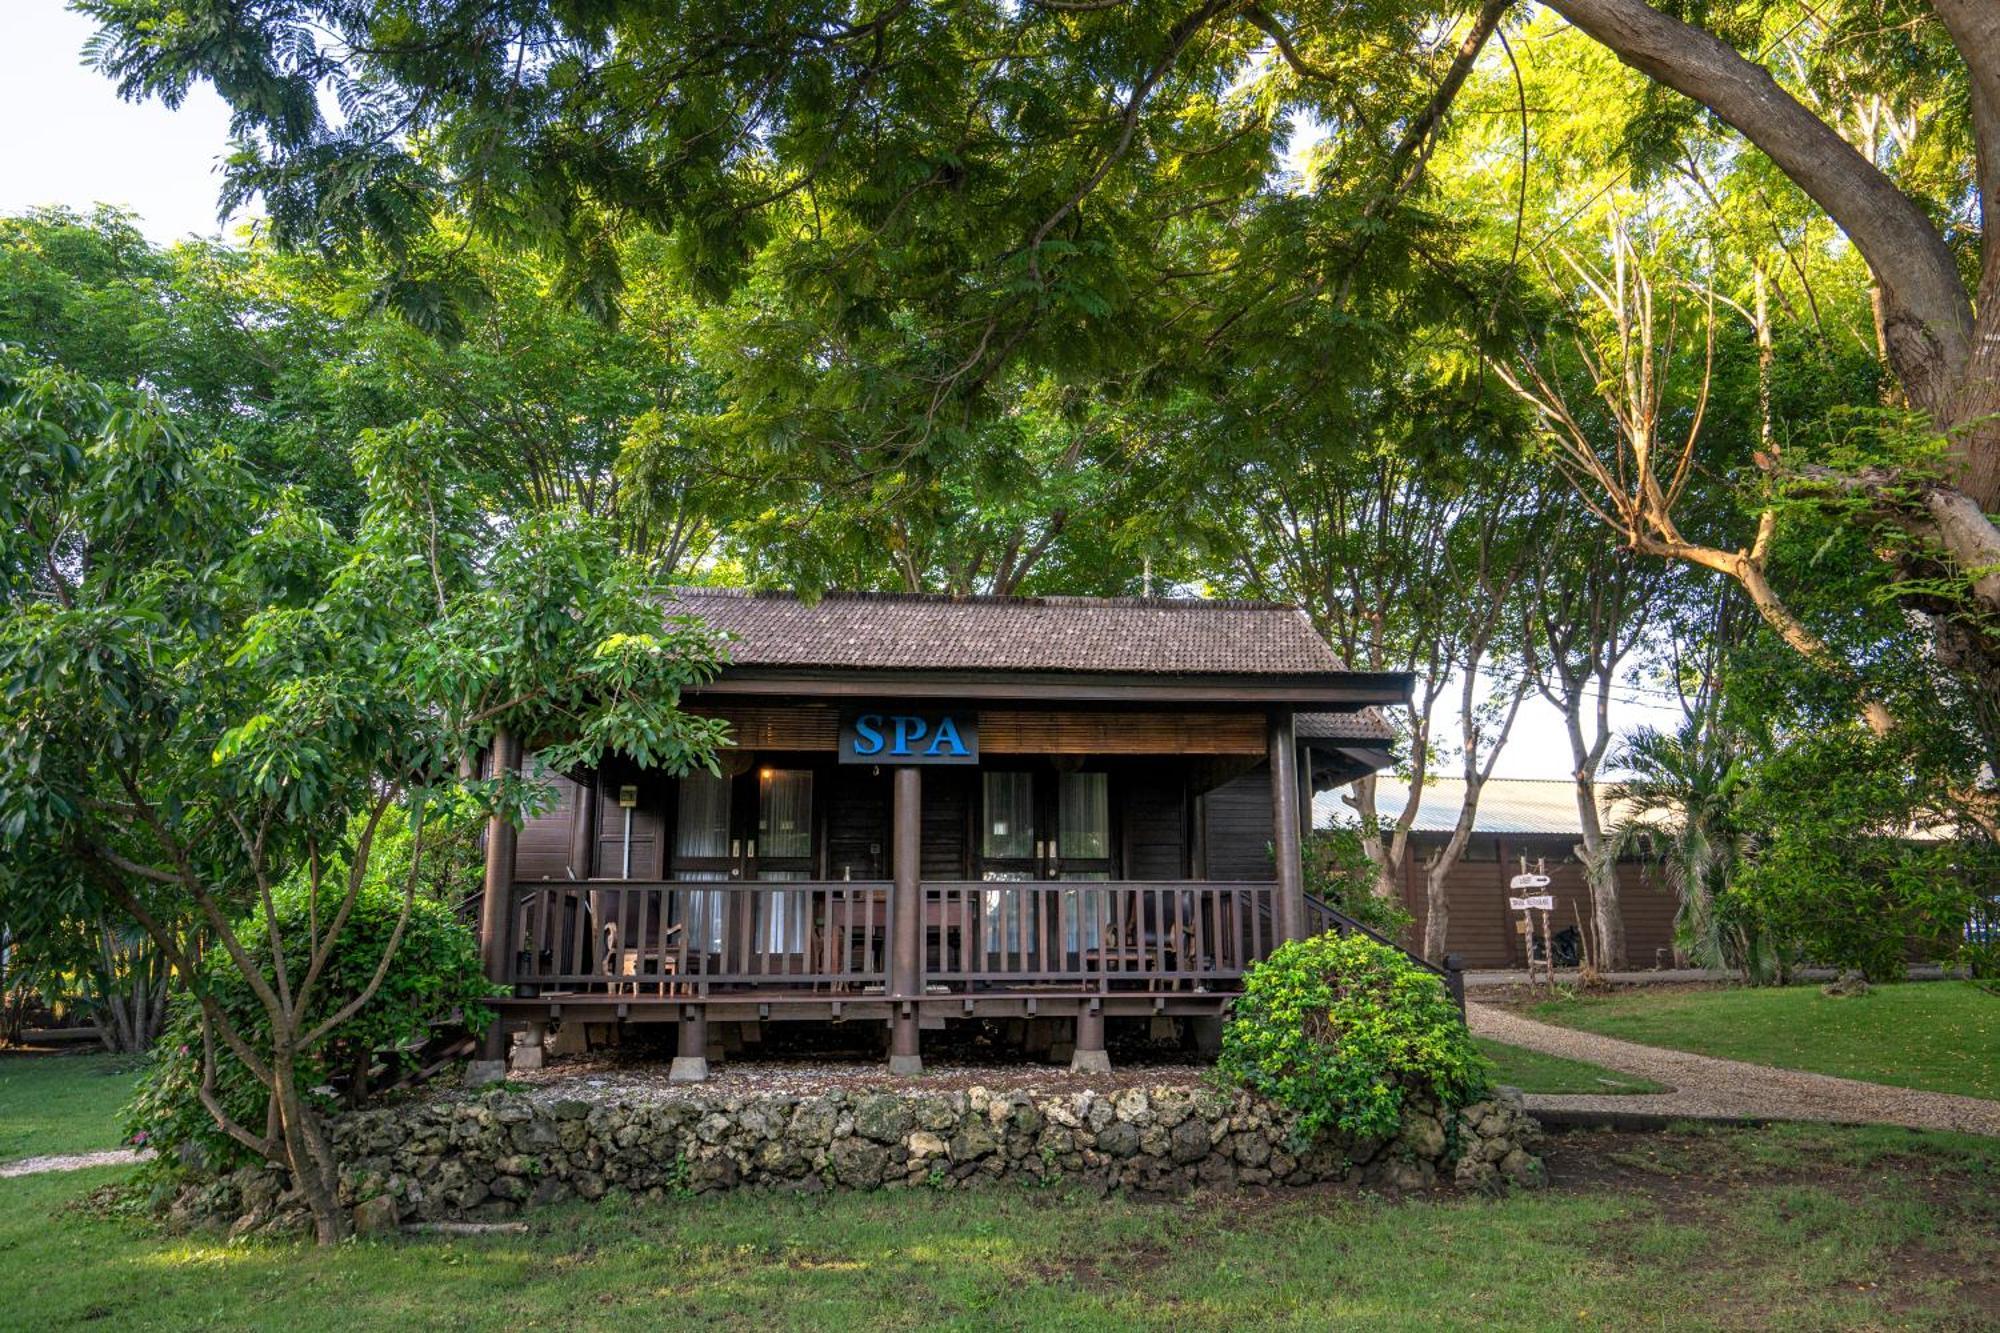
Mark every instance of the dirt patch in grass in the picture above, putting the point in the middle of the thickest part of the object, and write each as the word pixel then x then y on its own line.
pixel 1113 1270
pixel 1519 996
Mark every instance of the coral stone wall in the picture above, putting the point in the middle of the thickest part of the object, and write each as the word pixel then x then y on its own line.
pixel 484 1157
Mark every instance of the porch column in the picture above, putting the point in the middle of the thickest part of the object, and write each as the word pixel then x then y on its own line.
pixel 1284 760
pixel 906 921
pixel 496 907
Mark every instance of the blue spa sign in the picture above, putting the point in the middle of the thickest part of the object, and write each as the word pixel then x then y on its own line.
pixel 908 736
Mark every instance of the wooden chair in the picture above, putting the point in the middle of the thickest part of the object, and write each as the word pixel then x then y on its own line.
pixel 1133 951
pixel 631 960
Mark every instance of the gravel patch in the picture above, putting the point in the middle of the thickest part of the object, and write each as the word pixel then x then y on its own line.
pixel 647 1081
pixel 1705 1087
pixel 34 1166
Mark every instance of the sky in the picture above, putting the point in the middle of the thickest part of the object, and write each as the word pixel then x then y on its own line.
pixel 76 143
pixel 165 166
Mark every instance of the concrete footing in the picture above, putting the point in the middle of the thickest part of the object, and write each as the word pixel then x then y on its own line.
pixel 479 1073
pixel 688 1069
pixel 1082 1061
pixel 1090 1057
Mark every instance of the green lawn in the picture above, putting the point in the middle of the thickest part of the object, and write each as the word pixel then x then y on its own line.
pixel 1791 1226
pixel 1943 1036
pixel 62 1103
pixel 1531 1071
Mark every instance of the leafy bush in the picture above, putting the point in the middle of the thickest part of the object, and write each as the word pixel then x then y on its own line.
pixel 1339 874
pixel 1834 873
pixel 1341 1029
pixel 435 974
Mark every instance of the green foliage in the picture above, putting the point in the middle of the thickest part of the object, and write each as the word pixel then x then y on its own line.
pixel 1682 805
pixel 1342 1029
pixel 433 980
pixel 1855 866
pixel 1339 874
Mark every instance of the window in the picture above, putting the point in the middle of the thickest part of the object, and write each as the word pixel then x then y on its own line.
pixel 784 815
pixel 701 833
pixel 1085 817
pixel 702 828
pixel 1008 832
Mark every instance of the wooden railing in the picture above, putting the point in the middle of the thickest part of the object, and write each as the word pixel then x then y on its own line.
pixel 1099 935
pixel 689 938
pixel 686 937
pixel 1323 916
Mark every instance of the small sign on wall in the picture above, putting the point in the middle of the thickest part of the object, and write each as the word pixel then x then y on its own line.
pixel 904 736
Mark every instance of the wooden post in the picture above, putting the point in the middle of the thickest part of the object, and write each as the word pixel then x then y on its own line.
pixel 1090 1057
pixel 1284 759
pixel 1454 980
pixel 496 906
pixel 691 1049
pixel 906 923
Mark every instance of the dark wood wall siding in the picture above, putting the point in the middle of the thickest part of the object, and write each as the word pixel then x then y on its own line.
pixel 1236 833
pixel 548 845
pixel 1155 824
pixel 649 822
pixel 1153 814
pixel 948 813
pixel 1481 928
pixel 857 824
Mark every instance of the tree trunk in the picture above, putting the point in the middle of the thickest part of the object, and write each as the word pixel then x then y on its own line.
pixel 315 1178
pixel 1602 875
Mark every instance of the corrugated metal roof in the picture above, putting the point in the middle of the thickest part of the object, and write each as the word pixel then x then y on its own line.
pixel 1506 805
pixel 891 631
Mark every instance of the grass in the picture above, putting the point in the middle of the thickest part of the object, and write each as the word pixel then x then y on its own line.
pixel 1941 1036
pixel 62 1103
pixel 1791 1227
pixel 1788 1226
pixel 1531 1071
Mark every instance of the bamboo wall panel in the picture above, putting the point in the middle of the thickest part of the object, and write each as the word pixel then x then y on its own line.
pixel 1103 733
pixel 797 727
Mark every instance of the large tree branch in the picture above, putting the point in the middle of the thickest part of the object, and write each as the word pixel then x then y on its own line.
pixel 1929 314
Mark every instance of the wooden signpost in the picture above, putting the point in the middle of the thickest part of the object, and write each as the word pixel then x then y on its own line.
pixel 1527 902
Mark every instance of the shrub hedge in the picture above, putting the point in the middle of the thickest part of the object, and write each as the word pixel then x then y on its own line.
pixel 1343 1029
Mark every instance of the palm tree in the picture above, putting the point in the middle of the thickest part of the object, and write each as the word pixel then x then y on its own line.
pixel 1680 806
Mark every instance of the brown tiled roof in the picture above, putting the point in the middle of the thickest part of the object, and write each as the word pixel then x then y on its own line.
pixel 1366 725
pixel 910 632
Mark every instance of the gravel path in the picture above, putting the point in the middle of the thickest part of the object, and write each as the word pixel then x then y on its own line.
pixel 1701 1086
pixel 34 1166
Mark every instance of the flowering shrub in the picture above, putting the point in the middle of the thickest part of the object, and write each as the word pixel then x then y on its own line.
pixel 1342 1029
pixel 434 977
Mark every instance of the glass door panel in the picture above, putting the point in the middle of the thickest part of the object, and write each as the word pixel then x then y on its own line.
pixel 701 853
pixel 1007 832
pixel 783 852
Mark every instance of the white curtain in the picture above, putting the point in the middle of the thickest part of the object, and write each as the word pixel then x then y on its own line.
pixel 1009 827
pixel 784 822
pixel 1085 823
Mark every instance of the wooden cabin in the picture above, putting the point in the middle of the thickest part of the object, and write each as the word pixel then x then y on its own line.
pixel 942 808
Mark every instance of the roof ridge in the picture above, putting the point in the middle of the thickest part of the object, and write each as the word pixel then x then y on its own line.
pixel 986 598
